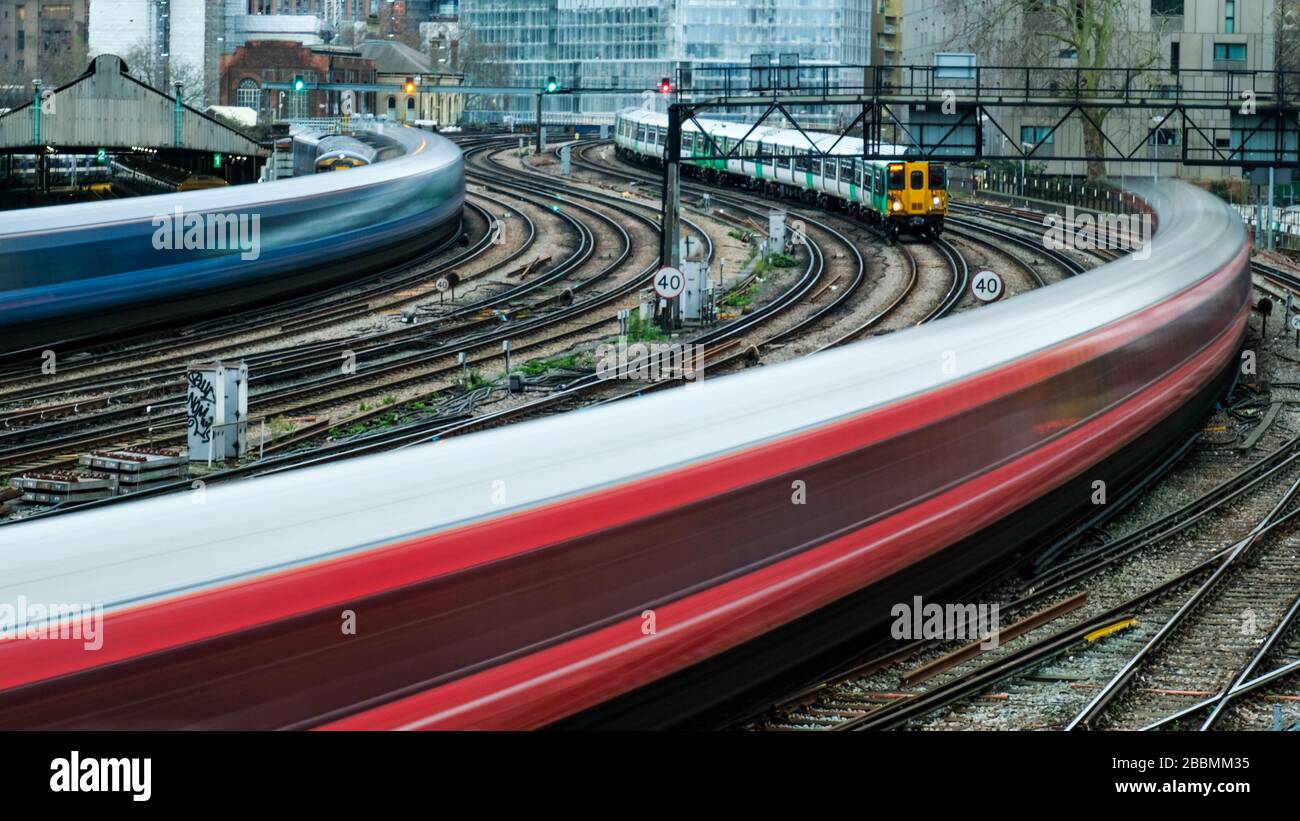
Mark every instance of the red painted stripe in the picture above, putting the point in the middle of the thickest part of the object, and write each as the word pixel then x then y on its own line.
pixel 194 617
pixel 562 680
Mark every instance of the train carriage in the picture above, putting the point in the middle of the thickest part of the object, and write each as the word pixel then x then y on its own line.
pixel 312 231
pixel 900 196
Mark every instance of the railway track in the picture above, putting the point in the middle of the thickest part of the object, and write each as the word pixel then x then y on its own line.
pixel 723 346
pixel 341 387
pixel 1237 678
pixel 950 257
pixel 728 338
pixel 573 310
pixel 102 352
pixel 86 372
pixel 1031 251
pixel 1101 622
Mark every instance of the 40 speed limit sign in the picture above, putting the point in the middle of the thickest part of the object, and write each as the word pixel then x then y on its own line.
pixel 986 286
pixel 669 283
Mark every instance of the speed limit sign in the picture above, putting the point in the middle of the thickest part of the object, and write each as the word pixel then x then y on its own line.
pixel 986 286
pixel 669 283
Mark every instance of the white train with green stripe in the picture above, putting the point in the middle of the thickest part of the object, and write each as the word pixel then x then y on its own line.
pixel 901 196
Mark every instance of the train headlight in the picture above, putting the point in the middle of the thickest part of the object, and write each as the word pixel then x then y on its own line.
pixel 898 205
pixel 936 201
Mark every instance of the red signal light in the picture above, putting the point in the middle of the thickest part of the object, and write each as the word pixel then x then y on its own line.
pixel 665 86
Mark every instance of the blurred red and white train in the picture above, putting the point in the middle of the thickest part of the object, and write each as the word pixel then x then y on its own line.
pixel 627 564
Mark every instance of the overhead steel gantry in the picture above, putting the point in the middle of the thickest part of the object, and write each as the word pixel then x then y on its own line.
pixel 558 90
pixel 1221 117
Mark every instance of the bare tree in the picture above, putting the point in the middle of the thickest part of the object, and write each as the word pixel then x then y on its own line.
pixel 483 64
pixel 15 89
pixel 351 33
pixel 1286 33
pixel 1088 47
pixel 143 66
pixel 57 67
pixel 61 65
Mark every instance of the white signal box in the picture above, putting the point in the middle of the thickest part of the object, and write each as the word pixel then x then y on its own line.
pixel 776 232
pixel 697 297
pixel 216 411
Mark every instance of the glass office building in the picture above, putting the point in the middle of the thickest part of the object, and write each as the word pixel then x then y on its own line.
pixel 519 33
pixel 631 45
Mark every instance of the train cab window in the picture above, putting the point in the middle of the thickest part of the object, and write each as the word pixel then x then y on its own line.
pixel 938 176
pixel 897 178
pixel 918 180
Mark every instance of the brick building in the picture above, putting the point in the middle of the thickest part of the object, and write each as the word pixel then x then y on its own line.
pixel 271 61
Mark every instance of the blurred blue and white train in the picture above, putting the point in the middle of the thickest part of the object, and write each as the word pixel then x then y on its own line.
pixel 78 270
